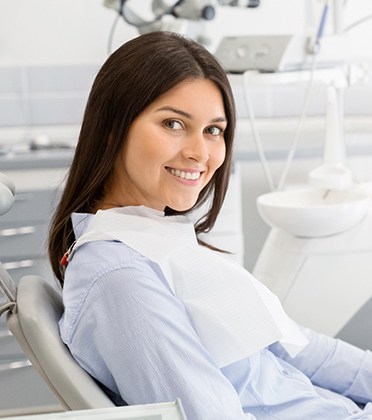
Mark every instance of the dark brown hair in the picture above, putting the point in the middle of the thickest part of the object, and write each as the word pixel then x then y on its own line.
pixel 130 80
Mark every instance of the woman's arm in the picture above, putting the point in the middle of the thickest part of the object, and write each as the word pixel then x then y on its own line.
pixel 333 364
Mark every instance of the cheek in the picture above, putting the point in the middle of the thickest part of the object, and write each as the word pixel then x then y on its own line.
pixel 219 155
pixel 216 159
pixel 142 152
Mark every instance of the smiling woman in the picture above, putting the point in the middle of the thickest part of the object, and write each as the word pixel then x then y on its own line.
pixel 156 76
pixel 150 312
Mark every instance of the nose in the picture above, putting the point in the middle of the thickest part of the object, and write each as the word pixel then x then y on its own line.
pixel 196 148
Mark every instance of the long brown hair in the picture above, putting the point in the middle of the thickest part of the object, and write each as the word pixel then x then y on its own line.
pixel 130 80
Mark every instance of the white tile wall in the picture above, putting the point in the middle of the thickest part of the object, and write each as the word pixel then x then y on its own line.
pixel 13 110
pixel 10 80
pixel 47 95
pixel 57 109
pixel 56 95
pixel 61 78
pixel 287 100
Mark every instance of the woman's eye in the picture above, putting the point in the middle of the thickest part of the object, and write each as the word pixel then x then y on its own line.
pixel 214 130
pixel 173 124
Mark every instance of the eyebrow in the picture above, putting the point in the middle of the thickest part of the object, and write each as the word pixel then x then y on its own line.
pixel 186 114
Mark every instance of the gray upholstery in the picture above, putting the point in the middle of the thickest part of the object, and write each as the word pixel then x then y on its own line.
pixel 34 323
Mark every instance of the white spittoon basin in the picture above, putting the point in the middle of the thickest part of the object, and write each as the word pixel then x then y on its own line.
pixel 314 212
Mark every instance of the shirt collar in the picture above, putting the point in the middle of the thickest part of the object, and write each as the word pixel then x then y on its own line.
pixel 80 223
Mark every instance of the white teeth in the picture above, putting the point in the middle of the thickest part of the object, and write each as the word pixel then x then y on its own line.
pixel 185 175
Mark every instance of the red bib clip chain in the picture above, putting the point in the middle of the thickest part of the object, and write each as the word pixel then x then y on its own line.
pixel 67 256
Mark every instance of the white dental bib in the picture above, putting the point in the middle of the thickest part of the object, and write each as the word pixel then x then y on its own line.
pixel 233 313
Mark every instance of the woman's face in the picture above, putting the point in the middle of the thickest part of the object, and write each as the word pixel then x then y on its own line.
pixel 173 149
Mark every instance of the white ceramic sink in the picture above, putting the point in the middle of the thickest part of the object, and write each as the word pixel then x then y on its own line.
pixel 314 212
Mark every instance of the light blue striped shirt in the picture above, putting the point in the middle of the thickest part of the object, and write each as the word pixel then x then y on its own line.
pixel 126 328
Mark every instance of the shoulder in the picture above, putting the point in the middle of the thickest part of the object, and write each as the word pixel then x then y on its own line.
pixel 106 272
pixel 95 259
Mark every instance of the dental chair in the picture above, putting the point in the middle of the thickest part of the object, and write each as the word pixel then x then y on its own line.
pixel 33 311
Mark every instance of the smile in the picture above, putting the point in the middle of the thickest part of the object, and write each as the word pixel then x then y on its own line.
pixel 193 176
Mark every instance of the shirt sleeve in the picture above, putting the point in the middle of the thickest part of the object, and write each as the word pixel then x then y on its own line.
pixel 333 364
pixel 144 338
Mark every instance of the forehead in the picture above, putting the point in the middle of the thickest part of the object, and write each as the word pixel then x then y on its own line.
pixel 193 96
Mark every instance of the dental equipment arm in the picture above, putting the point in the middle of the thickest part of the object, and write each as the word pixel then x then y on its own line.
pixel 191 10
